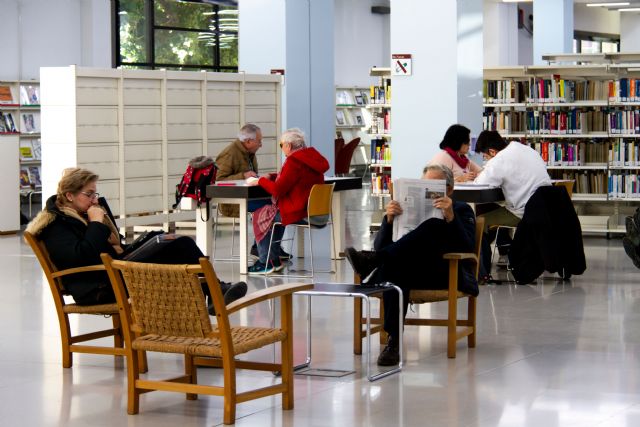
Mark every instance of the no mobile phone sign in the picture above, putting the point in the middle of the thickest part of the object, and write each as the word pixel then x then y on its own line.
pixel 401 64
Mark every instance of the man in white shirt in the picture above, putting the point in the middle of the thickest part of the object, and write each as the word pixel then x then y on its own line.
pixel 515 167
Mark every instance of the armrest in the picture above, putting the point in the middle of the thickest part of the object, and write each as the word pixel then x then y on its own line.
pixel 266 294
pixel 76 270
pixel 460 256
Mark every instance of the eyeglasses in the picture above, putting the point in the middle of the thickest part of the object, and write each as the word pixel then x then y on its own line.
pixel 92 196
pixel 281 144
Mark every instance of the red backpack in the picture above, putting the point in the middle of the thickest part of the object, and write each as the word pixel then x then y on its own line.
pixel 201 172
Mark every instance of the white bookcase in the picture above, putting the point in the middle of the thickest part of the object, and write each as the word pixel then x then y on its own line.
pixel 585 127
pixel 138 129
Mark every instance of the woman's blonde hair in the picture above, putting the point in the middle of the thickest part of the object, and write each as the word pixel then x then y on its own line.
pixel 73 181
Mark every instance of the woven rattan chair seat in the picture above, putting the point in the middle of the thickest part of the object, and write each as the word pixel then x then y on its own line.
pixel 91 309
pixel 421 296
pixel 244 339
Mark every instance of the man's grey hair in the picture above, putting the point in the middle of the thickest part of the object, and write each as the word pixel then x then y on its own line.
pixel 295 137
pixel 248 131
pixel 443 170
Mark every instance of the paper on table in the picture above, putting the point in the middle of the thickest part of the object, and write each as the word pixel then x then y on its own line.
pixel 416 199
pixel 252 179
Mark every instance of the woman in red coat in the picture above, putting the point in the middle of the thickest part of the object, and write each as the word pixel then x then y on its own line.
pixel 303 168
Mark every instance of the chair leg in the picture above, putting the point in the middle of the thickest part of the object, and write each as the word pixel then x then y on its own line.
pixel 471 339
pixel 452 317
pixel 65 338
pixel 357 326
pixel 311 251
pixel 191 370
pixel 133 373
pixel 287 353
pixel 229 374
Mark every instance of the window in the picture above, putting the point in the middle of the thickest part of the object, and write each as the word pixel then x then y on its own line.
pixel 176 35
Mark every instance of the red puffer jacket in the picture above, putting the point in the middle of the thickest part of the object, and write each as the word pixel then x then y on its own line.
pixel 302 169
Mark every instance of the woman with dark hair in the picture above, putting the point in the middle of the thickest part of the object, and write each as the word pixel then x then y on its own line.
pixel 75 230
pixel 455 146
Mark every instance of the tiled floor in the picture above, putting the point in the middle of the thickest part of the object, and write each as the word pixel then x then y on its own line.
pixel 550 354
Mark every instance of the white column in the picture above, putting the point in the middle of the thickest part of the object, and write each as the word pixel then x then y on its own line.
pixel 552 28
pixel 629 32
pixel 445 39
pixel 296 35
pixel 500 32
pixel 96 33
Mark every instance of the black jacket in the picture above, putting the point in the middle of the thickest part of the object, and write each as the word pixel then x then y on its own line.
pixel 461 237
pixel 72 243
pixel 548 238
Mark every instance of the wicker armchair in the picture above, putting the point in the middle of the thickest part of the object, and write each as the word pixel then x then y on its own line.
pixel 167 313
pixel 63 309
pixel 456 328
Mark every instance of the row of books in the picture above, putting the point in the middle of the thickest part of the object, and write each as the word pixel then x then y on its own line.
pixel 573 121
pixel 380 151
pixel 624 90
pixel 30 177
pixel 380 121
pixel 381 94
pixel 30 149
pixel 380 183
pixel 350 118
pixel 624 153
pixel 351 97
pixel 29 123
pixel 624 185
pixel 586 182
pixel 29 95
pixel 624 121
pixel 540 90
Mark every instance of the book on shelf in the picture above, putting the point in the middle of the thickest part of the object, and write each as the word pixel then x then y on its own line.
pixel 358 118
pixel 380 183
pixel 341 119
pixel 26 150
pixel 6 96
pixel 29 95
pixel 359 100
pixel 30 122
pixel 37 148
pixel 34 175
pixel 24 178
pixel 7 124
pixel 380 94
pixel 380 151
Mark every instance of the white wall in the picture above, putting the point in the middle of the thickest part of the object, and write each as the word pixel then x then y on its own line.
pixel 525 39
pixel 552 28
pixel 596 19
pixel 629 32
pixel 500 33
pixel 260 50
pixel 361 41
pixel 40 33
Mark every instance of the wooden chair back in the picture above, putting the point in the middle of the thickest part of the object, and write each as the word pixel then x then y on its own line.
pixel 40 250
pixel 568 185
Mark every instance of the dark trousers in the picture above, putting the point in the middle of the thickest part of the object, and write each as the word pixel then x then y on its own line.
pixel 413 262
pixel 182 250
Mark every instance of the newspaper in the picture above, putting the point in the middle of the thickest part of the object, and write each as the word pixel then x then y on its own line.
pixel 416 199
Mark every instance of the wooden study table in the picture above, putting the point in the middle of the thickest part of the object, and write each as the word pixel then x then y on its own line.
pixel 239 193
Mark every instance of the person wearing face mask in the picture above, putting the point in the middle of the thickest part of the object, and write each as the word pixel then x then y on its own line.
pixel 455 147
pixel 75 229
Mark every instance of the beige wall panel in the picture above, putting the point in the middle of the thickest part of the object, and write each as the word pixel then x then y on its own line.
pixel 142 92
pixel 184 92
pixel 110 190
pixel 143 195
pixel 96 91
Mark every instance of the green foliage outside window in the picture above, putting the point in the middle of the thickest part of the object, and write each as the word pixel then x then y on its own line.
pixel 185 35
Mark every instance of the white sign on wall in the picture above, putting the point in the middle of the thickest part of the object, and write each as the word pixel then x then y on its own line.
pixel 401 64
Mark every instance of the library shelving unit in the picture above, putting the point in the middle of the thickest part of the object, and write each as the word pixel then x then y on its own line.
pixel 138 129
pixel 584 120
pixel 19 128
pixel 380 132
pixel 353 118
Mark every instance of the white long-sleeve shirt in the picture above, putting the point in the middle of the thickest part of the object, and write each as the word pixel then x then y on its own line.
pixel 519 170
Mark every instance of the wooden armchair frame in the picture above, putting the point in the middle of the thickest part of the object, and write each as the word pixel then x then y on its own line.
pixel 456 328
pixel 70 342
pixel 184 327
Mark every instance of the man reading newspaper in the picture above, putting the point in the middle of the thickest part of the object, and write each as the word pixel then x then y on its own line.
pixel 414 261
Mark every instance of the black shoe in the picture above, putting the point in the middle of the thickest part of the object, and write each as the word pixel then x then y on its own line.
pixel 284 255
pixel 390 355
pixel 231 292
pixel 631 251
pixel 362 262
pixel 254 250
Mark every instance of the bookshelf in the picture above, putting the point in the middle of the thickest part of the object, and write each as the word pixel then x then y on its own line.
pixel 353 118
pixel 380 132
pixel 138 129
pixel 584 120
pixel 19 133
